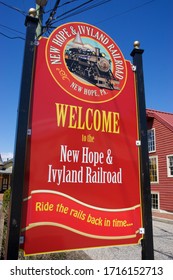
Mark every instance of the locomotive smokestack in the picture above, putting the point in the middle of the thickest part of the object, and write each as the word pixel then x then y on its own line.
pixel 97 52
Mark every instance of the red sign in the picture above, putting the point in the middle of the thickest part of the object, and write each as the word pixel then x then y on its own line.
pixel 83 180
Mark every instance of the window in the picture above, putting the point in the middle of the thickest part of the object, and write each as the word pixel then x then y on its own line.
pixel 153 167
pixel 151 140
pixel 155 201
pixel 170 165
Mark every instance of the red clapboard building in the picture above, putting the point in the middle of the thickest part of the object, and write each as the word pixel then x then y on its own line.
pixel 160 146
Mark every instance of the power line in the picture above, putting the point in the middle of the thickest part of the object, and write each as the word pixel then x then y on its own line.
pixel 13 8
pixel 97 4
pixel 49 21
pixel 126 12
pixel 17 37
pixel 11 29
pixel 66 3
pixel 53 12
pixel 83 4
pixel 79 11
pixel 72 12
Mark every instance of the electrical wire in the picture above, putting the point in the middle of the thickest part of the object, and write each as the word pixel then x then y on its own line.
pixel 81 5
pixel 17 37
pixel 81 10
pixel 66 3
pixel 49 22
pixel 53 12
pixel 126 12
pixel 11 29
pixel 14 8
pixel 72 12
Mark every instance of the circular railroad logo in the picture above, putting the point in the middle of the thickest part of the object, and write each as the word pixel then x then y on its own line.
pixel 85 62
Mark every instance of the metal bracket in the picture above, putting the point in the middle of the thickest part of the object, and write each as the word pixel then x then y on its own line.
pixel 35 43
pixel 138 143
pixel 21 240
pixel 133 68
pixel 141 230
pixel 29 131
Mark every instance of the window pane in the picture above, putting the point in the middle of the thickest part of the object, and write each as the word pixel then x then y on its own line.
pixel 170 165
pixel 154 201
pixel 151 140
pixel 153 169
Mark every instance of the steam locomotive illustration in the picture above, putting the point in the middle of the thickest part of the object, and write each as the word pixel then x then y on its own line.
pixel 91 65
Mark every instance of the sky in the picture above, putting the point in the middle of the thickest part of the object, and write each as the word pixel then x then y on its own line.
pixel 125 21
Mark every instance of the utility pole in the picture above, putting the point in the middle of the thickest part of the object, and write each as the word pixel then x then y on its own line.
pixel 40 10
pixel 147 241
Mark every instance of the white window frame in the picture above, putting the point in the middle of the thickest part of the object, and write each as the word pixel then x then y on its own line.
pixel 168 164
pixel 152 129
pixel 158 196
pixel 155 182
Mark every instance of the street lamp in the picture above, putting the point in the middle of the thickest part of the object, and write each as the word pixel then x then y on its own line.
pixel 41 3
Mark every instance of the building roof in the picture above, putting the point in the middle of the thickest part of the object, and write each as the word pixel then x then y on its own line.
pixel 6 166
pixel 6 171
pixel 163 117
